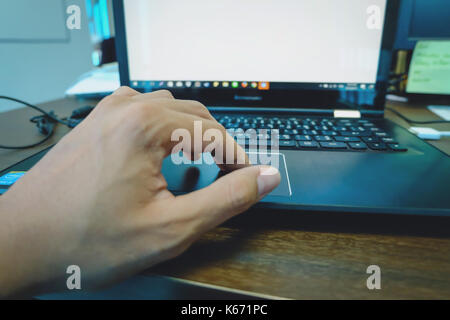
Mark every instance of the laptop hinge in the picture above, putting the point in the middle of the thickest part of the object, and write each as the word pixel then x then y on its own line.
pixel 342 113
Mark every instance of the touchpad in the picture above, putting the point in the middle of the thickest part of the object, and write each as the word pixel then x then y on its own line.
pixel 187 177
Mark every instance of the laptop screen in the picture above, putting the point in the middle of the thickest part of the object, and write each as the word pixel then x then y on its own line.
pixel 254 44
pixel 262 53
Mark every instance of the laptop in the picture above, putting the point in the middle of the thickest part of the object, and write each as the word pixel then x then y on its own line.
pixel 314 71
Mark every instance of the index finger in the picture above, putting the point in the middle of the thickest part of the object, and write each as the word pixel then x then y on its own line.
pixel 204 135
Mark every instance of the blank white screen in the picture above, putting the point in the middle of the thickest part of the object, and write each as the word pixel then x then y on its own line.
pixel 253 40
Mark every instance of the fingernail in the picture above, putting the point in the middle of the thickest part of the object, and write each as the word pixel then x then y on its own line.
pixel 268 179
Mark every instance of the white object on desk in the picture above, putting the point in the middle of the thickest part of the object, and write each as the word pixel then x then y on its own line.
pixel 429 133
pixel 393 97
pixel 441 111
pixel 99 82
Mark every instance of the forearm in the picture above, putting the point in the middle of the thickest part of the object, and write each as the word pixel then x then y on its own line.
pixel 25 256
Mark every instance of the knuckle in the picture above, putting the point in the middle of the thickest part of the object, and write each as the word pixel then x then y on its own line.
pixel 200 107
pixel 151 108
pixel 111 99
pixel 197 104
pixel 124 89
pixel 166 93
pixel 157 106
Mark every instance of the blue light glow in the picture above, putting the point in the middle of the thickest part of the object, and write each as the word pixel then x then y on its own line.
pixel 104 18
pixel 97 20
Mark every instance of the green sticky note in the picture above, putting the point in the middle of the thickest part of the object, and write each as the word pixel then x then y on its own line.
pixel 429 71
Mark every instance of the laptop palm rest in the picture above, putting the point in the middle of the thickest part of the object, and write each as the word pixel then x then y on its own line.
pixel 190 176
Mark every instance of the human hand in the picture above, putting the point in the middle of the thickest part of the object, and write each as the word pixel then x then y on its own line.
pixel 98 199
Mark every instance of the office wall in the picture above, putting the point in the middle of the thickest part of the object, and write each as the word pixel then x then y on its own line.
pixel 37 62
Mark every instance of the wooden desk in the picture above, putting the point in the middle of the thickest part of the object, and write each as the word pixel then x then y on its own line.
pixel 298 256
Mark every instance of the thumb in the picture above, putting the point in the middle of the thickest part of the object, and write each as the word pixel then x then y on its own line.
pixel 229 195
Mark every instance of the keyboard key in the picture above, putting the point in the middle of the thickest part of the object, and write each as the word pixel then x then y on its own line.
pixel 358 145
pixel 397 147
pixel 388 140
pixel 370 139
pixel 323 138
pixel 355 133
pixel 329 133
pixel 308 144
pixel 347 139
pixel 333 145
pixel 364 134
pixel 287 144
pixel 274 132
pixel 303 138
pixel 379 146
pixel 255 144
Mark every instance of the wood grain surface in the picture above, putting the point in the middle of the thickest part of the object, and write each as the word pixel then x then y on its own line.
pixel 322 256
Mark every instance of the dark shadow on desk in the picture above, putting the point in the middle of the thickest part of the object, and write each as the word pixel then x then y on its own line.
pixel 356 223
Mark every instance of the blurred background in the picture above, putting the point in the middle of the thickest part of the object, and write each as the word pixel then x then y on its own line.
pixel 42 60
pixel 40 57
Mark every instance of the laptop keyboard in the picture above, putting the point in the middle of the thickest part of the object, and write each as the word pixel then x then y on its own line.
pixel 311 133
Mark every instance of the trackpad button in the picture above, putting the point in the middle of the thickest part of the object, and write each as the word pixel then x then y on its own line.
pixel 278 160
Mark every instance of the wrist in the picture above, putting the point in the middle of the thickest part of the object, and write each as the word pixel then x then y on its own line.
pixel 25 261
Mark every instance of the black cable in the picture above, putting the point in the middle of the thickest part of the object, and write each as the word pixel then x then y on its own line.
pixel 45 123
pixel 51 115
pixel 414 121
pixel 28 146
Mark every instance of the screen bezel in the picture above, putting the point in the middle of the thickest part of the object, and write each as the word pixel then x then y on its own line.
pixel 279 98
